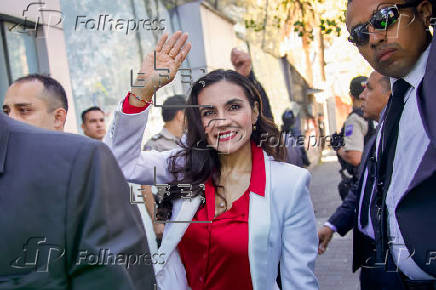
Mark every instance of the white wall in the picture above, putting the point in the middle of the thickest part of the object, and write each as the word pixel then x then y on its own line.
pixel 219 39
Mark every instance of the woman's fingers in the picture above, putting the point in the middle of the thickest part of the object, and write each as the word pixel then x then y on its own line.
pixel 182 55
pixel 168 45
pixel 161 42
pixel 176 48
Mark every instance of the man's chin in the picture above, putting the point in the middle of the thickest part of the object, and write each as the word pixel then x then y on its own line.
pixel 393 69
pixel 366 116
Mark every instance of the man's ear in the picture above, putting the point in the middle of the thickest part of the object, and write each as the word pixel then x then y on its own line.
pixel 425 11
pixel 60 117
pixel 180 115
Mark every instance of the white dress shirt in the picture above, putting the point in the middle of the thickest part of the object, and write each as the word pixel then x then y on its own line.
pixel 411 146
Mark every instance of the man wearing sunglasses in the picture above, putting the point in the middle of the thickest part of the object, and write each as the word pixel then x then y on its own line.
pixel 393 37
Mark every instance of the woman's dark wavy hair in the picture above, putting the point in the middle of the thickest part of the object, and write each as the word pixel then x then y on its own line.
pixel 202 161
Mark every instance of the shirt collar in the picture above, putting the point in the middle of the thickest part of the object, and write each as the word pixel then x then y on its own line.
pixel 167 134
pixel 414 77
pixel 258 175
pixel 4 137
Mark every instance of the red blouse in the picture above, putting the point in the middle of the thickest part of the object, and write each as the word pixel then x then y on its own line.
pixel 215 254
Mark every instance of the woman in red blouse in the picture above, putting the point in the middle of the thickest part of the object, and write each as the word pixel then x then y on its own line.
pixel 256 210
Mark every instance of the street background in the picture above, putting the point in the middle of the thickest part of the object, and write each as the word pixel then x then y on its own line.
pixel 333 268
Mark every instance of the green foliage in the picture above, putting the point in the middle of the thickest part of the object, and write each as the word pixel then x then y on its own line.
pixel 251 24
pixel 299 10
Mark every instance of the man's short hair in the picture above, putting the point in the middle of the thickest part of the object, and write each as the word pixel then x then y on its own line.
pixel 52 88
pixel 385 83
pixel 171 106
pixel 357 86
pixel 93 108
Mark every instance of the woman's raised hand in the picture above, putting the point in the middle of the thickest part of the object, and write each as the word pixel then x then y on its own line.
pixel 170 53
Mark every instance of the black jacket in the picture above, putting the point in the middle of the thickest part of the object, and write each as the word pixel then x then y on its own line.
pixel 64 208
pixel 346 216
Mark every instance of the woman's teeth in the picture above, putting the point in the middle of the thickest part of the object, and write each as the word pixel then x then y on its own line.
pixel 228 135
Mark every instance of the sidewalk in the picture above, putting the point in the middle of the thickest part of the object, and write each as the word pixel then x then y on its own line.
pixel 333 268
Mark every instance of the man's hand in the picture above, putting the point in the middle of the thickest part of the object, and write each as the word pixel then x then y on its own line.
pixel 325 234
pixel 170 53
pixel 241 61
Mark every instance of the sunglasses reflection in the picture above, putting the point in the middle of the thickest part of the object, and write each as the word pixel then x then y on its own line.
pixel 382 20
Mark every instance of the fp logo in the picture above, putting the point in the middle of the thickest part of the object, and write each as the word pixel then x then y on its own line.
pixel 37 255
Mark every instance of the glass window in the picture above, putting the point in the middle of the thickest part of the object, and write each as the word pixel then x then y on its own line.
pixel 18 55
pixel 103 49
pixel 21 51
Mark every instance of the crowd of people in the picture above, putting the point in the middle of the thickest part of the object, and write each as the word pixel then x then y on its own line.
pixel 231 211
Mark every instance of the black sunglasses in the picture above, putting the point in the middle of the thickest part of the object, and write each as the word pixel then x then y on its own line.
pixel 381 20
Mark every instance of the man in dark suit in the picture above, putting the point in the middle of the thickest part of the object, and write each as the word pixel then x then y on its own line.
pixel 349 215
pixel 66 221
pixel 402 209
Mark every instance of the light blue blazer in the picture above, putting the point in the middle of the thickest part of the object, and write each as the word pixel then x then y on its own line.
pixel 282 225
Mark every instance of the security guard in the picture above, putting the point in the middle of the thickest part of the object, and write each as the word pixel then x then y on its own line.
pixel 173 117
pixel 163 141
pixel 356 131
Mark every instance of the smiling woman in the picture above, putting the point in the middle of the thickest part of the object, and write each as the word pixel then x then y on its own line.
pixel 257 210
pixel 222 120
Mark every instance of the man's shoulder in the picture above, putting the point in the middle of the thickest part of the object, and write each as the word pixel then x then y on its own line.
pixel 161 141
pixel 47 141
pixel 152 142
pixel 355 117
pixel 355 122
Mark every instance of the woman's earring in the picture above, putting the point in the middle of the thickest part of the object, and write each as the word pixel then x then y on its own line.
pixel 254 127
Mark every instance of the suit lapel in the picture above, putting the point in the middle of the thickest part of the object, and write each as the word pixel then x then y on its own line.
pixel 259 222
pixel 426 104
pixel 183 210
pixel 426 96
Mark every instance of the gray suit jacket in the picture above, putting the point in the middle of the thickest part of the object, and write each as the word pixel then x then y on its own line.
pixel 65 215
